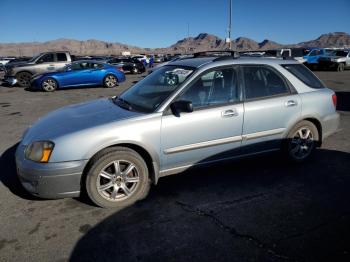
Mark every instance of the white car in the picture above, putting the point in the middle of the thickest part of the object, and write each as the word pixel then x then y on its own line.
pixel 5 60
pixel 141 58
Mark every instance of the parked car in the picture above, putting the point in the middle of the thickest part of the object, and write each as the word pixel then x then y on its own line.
pixel 142 58
pixel 78 74
pixel 129 65
pixel 313 56
pixel 158 59
pixel 337 60
pixel 21 72
pixel 189 113
pixel 4 61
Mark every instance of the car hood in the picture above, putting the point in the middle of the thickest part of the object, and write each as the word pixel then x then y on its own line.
pixel 76 118
pixel 18 64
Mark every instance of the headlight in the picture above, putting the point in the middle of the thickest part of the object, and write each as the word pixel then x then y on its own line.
pixel 334 59
pixel 39 151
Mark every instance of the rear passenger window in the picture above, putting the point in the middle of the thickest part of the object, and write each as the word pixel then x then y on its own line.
pixel 261 81
pixel 305 75
pixel 213 88
pixel 61 57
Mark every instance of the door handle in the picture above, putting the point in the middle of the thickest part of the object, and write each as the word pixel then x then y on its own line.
pixel 229 113
pixel 290 103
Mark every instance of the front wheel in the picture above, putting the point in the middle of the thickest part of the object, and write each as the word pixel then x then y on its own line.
pixel 49 85
pixel 302 141
pixel 23 79
pixel 110 81
pixel 117 178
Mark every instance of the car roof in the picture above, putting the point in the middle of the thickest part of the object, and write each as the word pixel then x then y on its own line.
pixel 201 61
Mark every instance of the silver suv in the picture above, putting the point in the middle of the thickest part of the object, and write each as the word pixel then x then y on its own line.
pixel 192 112
pixel 21 72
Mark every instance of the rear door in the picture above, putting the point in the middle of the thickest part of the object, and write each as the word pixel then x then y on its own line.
pixel 271 105
pixel 213 130
pixel 61 61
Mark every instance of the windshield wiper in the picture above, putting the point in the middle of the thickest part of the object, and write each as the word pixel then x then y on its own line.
pixel 123 103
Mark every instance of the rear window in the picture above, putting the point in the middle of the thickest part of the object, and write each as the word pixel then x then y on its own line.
pixel 305 75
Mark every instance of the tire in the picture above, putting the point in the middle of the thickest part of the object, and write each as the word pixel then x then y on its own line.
pixel 134 70
pixel 49 85
pixel 110 81
pixel 301 141
pixel 23 79
pixel 340 67
pixel 108 188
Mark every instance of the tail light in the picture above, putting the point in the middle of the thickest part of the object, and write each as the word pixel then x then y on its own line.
pixel 334 99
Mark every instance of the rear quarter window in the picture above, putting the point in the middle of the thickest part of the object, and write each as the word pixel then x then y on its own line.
pixel 305 75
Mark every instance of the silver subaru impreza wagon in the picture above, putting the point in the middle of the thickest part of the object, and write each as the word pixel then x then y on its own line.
pixel 192 112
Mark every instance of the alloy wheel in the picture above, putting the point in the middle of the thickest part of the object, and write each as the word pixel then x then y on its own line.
pixel 302 143
pixel 49 85
pixel 110 81
pixel 118 180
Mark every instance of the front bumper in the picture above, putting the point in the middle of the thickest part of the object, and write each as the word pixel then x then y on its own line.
pixel 11 80
pixel 50 180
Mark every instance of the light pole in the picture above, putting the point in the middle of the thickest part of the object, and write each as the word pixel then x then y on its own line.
pixel 228 40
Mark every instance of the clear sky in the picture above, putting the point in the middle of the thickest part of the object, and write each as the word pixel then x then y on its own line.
pixel 160 23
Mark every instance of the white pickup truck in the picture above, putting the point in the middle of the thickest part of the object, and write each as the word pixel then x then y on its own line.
pixel 21 73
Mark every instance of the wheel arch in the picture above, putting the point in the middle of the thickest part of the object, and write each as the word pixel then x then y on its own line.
pixel 152 165
pixel 313 120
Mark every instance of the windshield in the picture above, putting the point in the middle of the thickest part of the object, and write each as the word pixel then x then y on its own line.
pixel 149 93
pixel 34 58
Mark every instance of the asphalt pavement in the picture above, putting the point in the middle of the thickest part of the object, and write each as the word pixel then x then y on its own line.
pixel 257 209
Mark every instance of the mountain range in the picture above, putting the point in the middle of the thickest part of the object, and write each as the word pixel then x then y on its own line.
pixel 201 42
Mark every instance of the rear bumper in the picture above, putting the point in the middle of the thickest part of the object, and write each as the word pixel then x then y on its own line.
pixel 50 180
pixel 330 124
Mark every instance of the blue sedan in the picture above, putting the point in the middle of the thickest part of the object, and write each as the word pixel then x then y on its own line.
pixel 77 74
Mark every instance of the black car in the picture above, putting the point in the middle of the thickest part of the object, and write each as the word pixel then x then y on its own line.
pixel 129 65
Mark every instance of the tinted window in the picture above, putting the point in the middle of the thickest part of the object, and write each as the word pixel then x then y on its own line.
pixel 305 75
pixel 61 57
pixel 213 88
pixel 46 58
pixel 261 81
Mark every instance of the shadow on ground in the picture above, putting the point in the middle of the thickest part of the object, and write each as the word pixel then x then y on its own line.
pixel 259 209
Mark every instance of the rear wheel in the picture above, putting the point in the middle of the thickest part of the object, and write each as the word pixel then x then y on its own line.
pixel 23 78
pixel 117 178
pixel 49 85
pixel 302 141
pixel 110 81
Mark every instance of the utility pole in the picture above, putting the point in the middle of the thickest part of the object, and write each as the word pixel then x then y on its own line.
pixel 228 40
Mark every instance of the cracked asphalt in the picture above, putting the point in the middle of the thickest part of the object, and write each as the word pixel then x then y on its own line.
pixel 256 209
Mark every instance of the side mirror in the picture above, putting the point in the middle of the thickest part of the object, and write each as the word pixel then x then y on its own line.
pixel 68 68
pixel 181 106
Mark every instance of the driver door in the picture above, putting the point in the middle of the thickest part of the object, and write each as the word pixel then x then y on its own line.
pixel 213 130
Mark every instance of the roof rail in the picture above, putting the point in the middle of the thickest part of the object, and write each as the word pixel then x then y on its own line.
pixel 222 54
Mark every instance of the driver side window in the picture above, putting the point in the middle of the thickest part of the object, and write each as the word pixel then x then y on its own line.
pixel 216 87
pixel 47 58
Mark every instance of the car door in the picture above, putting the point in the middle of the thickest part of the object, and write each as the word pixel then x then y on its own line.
pixel 45 64
pixel 270 106
pixel 75 74
pixel 213 130
pixel 61 61
pixel 96 74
